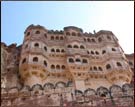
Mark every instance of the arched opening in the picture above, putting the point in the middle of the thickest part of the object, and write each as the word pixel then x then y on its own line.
pixel 63 67
pixel 85 39
pixel 78 60
pixel 92 52
pixel 108 66
pixel 67 33
pixel 45 63
pixel 100 68
pixel 52 50
pixel 95 68
pixel 69 46
pixel 36 45
pixel 103 52
pixel 73 34
pixel 119 64
pixel 28 33
pixel 82 47
pixel 52 66
pixel 75 46
pixel 61 38
pixel 57 66
pixel 57 37
pixel 108 37
pixel 57 50
pixel 35 59
pixel 100 39
pixel 45 35
pixel 113 49
pixel 71 60
pixel 52 37
pixel 93 40
pixel 24 60
pixel 45 48
pixel 37 32
pixel 97 52
pixel 88 40
pixel 62 50
pixel 85 61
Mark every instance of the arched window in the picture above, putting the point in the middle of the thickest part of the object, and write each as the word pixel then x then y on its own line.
pixel 62 50
pixel 108 66
pixel 37 32
pixel 108 37
pixel 113 49
pixel 75 46
pixel 57 66
pixel 95 68
pixel 52 50
pixel 36 45
pixel 52 67
pixel 52 37
pixel 69 46
pixel 35 59
pixel 57 37
pixel 79 34
pixel 85 61
pixel 63 67
pixel 73 34
pixel 67 33
pixel 92 52
pixel 88 52
pixel 119 64
pixel 130 63
pixel 57 50
pixel 61 38
pixel 100 68
pixel 85 39
pixel 24 60
pixel 45 63
pixel 90 68
pixel 88 40
pixel 97 53
pixel 71 60
pixel 45 48
pixel 103 52
pixel 99 39
pixel 78 60
pixel 82 47
pixel 93 40
pixel 45 35
pixel 28 33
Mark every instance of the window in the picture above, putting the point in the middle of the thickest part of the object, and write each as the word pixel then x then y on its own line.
pixel 61 38
pixel 100 68
pixel 35 59
pixel 45 63
pixel 67 33
pixel 69 46
pixel 88 52
pixel 75 46
pixel 24 60
pixel 78 60
pixel 108 37
pixel 99 39
pixel 57 50
pixel 45 35
pixel 84 39
pixel 57 37
pixel 103 52
pixel 73 34
pixel 113 49
pixel 93 40
pixel 82 47
pixel 63 67
pixel 28 33
pixel 79 34
pixel 52 67
pixel 130 63
pixel 88 40
pixel 119 64
pixel 57 67
pixel 62 50
pixel 37 32
pixel 26 46
pixel 45 48
pixel 108 66
pixel 90 68
pixel 85 61
pixel 52 37
pixel 95 68
pixel 92 52
pixel 71 60
pixel 52 50
pixel 36 45
pixel 97 53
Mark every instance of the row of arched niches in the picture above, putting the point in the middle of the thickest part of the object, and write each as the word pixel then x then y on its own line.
pixel 112 91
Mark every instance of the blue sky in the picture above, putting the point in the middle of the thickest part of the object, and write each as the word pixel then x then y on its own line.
pixel 89 15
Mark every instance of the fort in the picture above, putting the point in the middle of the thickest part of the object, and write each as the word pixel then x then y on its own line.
pixel 66 68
